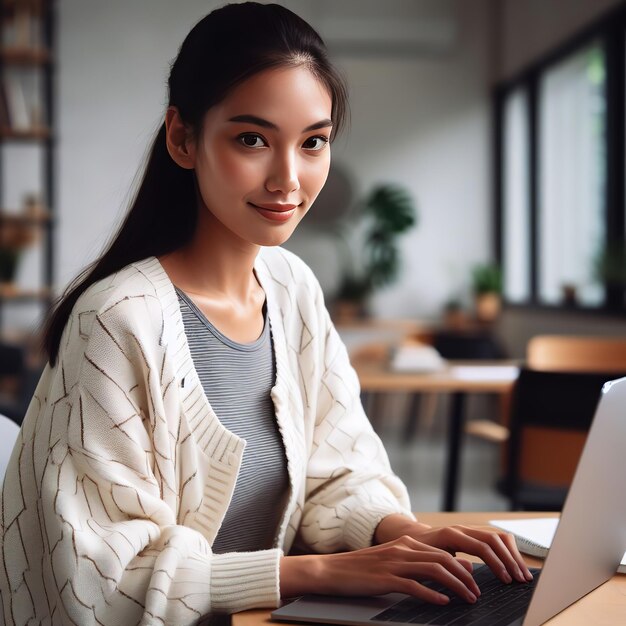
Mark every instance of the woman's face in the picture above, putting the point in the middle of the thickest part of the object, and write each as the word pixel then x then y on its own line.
pixel 263 154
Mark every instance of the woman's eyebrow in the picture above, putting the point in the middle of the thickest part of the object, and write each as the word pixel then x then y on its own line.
pixel 259 121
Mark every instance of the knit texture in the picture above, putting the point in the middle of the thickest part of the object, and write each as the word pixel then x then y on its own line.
pixel 122 473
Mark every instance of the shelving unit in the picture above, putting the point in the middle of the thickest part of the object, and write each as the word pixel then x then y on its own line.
pixel 27 118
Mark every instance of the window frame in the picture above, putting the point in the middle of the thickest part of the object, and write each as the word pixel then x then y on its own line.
pixel 610 32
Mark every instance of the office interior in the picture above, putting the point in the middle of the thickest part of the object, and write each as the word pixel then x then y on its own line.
pixel 500 123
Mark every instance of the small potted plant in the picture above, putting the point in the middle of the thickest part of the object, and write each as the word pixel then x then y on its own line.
pixel 454 316
pixel 487 288
pixel 610 265
pixel 388 212
pixel 16 233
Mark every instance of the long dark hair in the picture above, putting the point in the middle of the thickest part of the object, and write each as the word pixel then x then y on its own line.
pixel 225 48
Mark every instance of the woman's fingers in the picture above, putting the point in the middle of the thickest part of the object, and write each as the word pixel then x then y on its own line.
pixel 496 548
pixel 422 564
pixel 452 576
pixel 417 590
pixel 504 547
pixel 466 563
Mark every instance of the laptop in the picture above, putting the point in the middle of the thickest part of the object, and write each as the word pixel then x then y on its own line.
pixel 589 543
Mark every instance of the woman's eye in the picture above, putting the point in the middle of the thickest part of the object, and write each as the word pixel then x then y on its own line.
pixel 315 143
pixel 250 140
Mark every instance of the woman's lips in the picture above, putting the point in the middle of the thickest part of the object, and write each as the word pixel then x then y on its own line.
pixel 276 212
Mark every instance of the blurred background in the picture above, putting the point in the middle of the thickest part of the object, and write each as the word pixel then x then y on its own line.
pixel 485 155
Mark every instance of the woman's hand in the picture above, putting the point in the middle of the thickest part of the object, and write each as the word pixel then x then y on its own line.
pixel 395 566
pixel 495 547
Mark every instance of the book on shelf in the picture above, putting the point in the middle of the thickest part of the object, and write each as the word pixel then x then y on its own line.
pixel 534 536
pixel 21 27
pixel 20 100
pixel 18 116
pixel 5 119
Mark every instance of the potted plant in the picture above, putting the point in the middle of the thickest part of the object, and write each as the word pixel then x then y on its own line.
pixel 454 316
pixel 610 265
pixel 387 211
pixel 487 288
pixel 17 231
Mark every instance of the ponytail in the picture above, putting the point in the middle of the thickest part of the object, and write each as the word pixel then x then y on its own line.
pixel 162 218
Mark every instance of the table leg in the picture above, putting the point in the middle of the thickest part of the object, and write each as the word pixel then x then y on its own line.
pixel 369 400
pixel 455 432
pixel 412 419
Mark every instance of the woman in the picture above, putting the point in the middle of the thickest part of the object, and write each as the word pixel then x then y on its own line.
pixel 127 500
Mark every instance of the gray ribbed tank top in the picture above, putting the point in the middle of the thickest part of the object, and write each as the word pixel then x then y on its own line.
pixel 237 379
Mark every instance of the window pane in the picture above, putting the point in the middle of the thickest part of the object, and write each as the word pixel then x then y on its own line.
pixel 572 177
pixel 516 225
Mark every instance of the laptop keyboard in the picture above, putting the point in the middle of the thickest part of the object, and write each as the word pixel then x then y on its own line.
pixel 498 605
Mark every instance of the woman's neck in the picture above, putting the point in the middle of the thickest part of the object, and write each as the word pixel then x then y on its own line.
pixel 216 264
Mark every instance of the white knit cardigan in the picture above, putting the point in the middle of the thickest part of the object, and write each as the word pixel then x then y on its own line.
pixel 122 472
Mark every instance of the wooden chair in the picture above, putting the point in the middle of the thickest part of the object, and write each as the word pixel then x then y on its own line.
pixel 560 353
pixel 569 353
pixel 558 402
pixel 566 353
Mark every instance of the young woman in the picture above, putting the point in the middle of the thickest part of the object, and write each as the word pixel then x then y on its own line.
pixel 198 418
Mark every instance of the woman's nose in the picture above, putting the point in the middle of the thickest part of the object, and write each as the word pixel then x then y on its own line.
pixel 283 176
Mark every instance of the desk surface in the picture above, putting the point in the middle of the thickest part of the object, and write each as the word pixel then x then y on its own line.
pixel 375 375
pixel 606 605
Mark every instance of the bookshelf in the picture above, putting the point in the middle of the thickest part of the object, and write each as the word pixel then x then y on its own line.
pixel 26 123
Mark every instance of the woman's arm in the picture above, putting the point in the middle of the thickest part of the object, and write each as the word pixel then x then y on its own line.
pixel 407 552
pixel 396 566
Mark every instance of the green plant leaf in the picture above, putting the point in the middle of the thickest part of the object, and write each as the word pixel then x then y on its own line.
pixel 487 278
pixel 392 208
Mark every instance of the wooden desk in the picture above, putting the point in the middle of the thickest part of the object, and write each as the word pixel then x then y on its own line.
pixel 606 605
pixel 461 378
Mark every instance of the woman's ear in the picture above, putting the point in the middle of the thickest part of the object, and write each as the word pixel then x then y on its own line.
pixel 178 139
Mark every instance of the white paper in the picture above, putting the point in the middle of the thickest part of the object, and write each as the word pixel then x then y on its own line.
pixel 485 372
pixel 538 530
pixel 417 358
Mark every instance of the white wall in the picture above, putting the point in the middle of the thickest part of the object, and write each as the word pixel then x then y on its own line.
pixel 113 64
pixel 420 119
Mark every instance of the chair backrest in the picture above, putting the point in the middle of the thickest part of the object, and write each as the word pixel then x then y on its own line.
pixel 572 353
pixel 560 403
pixel 8 435
pixel 12 359
pixel 565 353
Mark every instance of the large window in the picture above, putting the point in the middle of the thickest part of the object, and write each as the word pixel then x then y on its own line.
pixel 516 219
pixel 561 174
pixel 572 172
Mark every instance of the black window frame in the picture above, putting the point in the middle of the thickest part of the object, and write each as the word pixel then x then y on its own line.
pixel 610 31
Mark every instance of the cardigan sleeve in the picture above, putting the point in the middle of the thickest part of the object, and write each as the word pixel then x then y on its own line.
pixel 350 485
pixel 98 536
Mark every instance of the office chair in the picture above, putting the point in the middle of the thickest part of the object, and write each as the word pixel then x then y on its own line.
pixel 476 346
pixel 559 402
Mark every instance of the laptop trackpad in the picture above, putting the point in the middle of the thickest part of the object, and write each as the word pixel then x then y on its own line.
pixel 336 608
